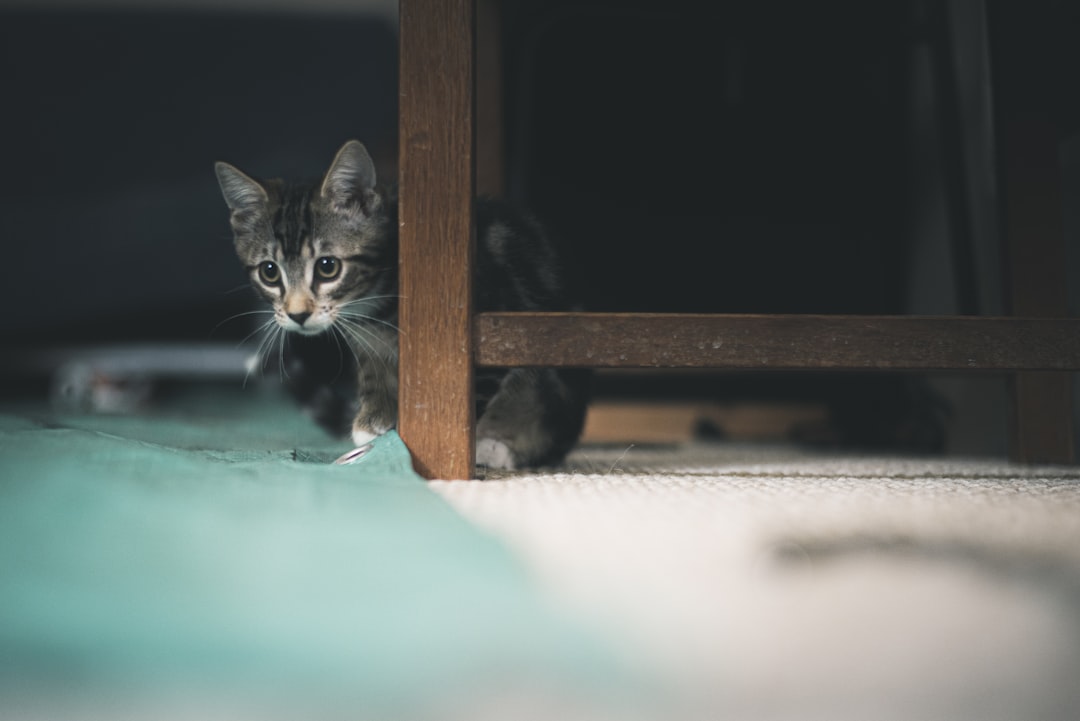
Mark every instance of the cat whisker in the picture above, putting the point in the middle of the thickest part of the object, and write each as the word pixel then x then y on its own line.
pixel 265 343
pixel 372 297
pixel 361 337
pixel 262 328
pixel 367 299
pixel 273 337
pixel 339 333
pixel 335 335
pixel 237 289
pixel 352 314
pixel 349 322
pixel 282 370
pixel 241 315
pixel 354 317
pixel 358 337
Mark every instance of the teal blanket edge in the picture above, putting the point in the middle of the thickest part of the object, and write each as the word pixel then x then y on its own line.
pixel 210 546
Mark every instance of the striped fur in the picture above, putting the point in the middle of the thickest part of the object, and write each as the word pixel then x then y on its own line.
pixel 324 255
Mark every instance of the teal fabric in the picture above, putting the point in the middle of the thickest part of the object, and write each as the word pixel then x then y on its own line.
pixel 210 546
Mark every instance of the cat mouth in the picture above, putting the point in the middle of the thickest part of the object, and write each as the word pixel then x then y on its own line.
pixel 308 328
pixel 311 329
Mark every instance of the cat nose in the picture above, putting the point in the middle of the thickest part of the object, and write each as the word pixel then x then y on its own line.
pixel 299 318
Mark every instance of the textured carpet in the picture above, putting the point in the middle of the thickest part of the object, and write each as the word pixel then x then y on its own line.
pixel 768 582
pixel 161 562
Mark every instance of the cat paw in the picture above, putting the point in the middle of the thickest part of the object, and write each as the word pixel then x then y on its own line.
pixel 367 426
pixel 364 436
pixel 494 454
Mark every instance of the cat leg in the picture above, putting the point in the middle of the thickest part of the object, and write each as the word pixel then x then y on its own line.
pixel 510 433
pixel 363 433
pixel 494 454
pixel 377 403
pixel 533 419
pixel 376 416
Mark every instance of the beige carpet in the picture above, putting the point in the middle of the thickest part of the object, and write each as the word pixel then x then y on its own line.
pixel 765 582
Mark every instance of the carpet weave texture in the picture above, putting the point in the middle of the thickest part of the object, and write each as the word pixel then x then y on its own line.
pixel 772 582
pixel 204 557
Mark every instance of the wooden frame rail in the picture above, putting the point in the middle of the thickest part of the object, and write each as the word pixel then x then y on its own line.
pixel 777 342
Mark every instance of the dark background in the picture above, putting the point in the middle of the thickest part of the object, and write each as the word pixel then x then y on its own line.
pixel 113 122
pixel 752 156
pixel 734 157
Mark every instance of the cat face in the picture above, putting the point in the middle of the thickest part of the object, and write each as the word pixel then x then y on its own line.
pixel 319 254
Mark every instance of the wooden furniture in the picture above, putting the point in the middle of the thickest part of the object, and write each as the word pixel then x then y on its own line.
pixel 442 340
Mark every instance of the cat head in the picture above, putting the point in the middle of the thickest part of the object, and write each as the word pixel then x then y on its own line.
pixel 318 253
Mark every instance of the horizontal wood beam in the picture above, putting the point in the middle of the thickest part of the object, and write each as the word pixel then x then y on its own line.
pixel 776 342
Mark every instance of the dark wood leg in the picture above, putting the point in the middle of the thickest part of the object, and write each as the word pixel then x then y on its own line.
pixel 1034 239
pixel 1042 429
pixel 1035 282
pixel 437 188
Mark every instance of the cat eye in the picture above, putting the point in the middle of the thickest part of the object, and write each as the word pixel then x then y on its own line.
pixel 327 268
pixel 269 273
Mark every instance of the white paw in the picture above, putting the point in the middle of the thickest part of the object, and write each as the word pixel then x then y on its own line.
pixel 494 454
pixel 362 437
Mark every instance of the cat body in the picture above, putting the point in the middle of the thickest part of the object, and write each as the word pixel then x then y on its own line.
pixel 324 256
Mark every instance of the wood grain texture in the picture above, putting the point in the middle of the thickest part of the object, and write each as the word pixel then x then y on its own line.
pixel 437 189
pixel 776 342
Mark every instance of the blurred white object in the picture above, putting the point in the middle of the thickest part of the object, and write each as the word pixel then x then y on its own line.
pixel 117 379
pixel 80 386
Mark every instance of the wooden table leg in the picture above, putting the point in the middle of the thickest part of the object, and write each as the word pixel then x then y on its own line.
pixel 1034 238
pixel 437 189
pixel 1042 407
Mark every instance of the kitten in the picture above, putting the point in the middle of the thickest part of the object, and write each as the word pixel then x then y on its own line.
pixel 324 255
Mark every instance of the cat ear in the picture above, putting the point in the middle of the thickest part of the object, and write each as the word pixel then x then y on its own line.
pixel 350 182
pixel 241 192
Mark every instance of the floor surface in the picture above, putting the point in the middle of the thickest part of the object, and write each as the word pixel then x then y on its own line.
pixel 770 582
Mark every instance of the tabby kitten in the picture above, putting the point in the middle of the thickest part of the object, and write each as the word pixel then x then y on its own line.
pixel 324 255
